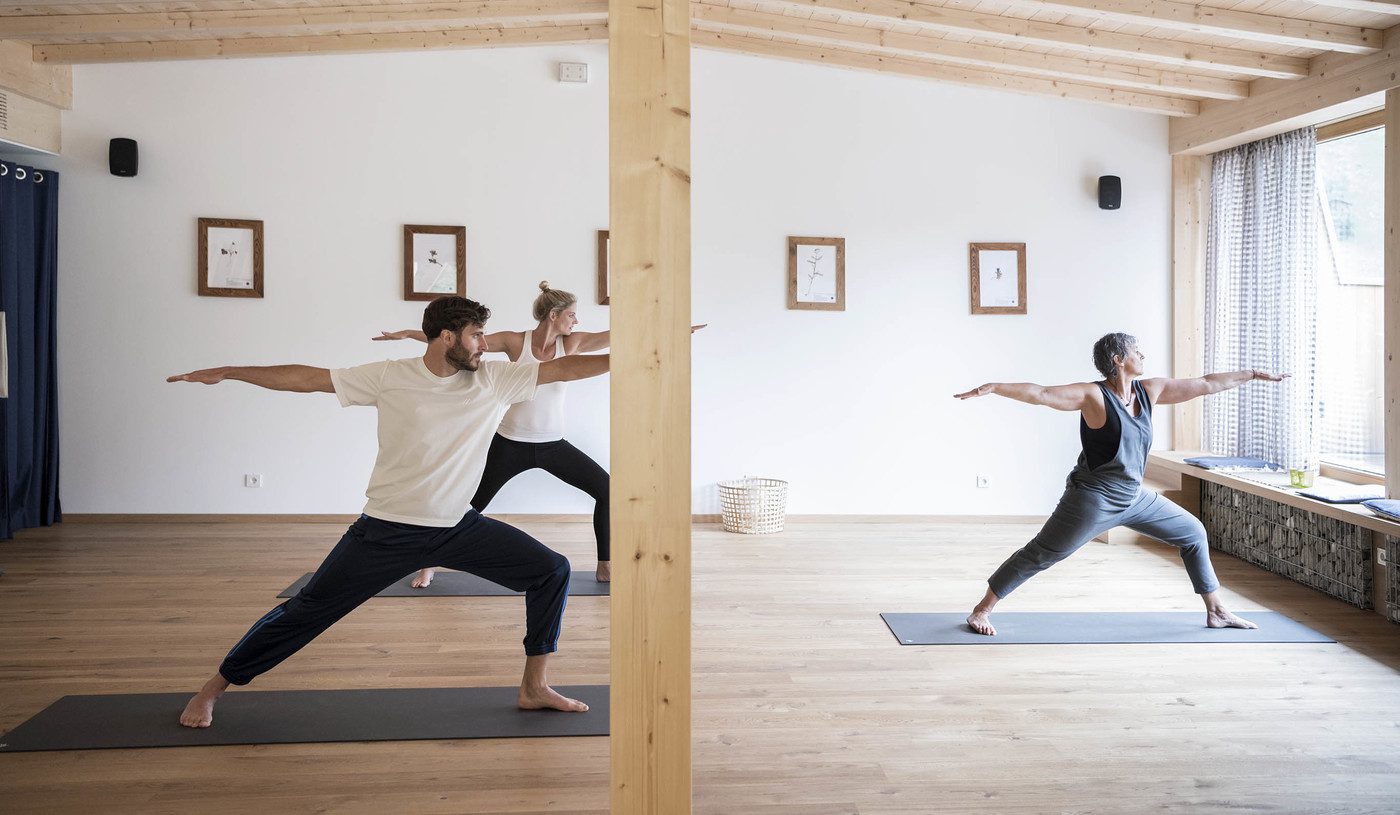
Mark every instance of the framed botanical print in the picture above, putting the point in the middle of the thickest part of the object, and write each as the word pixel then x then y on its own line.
pixel 604 266
pixel 434 261
pixel 998 277
pixel 230 258
pixel 817 273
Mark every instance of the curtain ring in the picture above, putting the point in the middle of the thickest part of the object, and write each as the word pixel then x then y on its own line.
pixel 20 174
pixel 4 170
pixel 38 177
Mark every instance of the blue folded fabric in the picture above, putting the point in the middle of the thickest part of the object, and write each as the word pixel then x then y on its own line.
pixel 1384 507
pixel 1345 493
pixel 1232 463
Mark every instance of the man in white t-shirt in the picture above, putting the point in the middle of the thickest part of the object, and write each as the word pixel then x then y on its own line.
pixel 437 414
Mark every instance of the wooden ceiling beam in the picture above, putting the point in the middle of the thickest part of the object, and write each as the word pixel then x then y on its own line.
pixel 321 44
pixel 1219 22
pixel 50 84
pixel 300 20
pixel 821 55
pixel 981 56
pixel 1369 6
pixel 1339 84
pixel 1053 35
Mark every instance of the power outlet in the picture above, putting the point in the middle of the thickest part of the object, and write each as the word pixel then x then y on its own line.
pixel 573 72
pixel 1380 558
pixel 983 482
pixel 253 480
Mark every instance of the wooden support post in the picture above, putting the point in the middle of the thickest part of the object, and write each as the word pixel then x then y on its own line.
pixel 1392 292
pixel 1190 213
pixel 649 219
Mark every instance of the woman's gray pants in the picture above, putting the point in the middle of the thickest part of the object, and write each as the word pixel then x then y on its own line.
pixel 1083 515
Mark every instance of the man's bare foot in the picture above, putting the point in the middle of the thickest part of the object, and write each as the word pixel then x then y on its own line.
pixel 423 579
pixel 199 711
pixel 604 571
pixel 979 622
pixel 544 697
pixel 1220 618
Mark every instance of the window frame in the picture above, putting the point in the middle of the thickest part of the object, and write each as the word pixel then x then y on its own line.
pixel 1351 126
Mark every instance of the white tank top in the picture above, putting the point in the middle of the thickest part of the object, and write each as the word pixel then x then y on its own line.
pixel 542 418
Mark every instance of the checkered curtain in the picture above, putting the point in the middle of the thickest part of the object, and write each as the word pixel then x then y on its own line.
pixel 1261 298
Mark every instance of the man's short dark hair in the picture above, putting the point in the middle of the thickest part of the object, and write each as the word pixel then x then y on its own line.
pixel 453 314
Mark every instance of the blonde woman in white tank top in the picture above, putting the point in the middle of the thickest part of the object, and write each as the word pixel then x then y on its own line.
pixel 532 433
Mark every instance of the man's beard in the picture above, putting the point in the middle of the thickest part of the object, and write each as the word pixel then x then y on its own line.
pixel 463 361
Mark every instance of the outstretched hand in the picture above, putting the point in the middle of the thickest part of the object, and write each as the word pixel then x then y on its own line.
pixel 1268 377
pixel 980 390
pixel 208 376
pixel 393 335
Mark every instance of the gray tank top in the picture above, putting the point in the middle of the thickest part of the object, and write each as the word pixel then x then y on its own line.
pixel 1120 478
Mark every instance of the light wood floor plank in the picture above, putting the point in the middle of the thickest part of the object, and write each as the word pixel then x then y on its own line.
pixel 804 705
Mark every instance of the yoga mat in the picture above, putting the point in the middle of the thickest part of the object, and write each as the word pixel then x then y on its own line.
pixel 1063 628
pixel 461 584
pixel 303 716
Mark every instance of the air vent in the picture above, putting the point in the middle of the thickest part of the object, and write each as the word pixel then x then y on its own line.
pixel 4 111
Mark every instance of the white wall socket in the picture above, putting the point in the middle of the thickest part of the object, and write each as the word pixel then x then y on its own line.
pixel 1380 557
pixel 983 482
pixel 252 480
pixel 573 72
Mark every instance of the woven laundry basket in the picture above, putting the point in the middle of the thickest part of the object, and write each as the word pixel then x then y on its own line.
pixel 753 506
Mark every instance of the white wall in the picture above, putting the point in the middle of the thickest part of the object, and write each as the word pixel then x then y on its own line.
pixel 336 153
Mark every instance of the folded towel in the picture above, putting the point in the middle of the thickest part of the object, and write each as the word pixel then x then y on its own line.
pixel 1385 507
pixel 1345 493
pixel 1232 463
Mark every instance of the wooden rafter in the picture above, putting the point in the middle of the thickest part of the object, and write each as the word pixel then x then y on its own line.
pixel 979 56
pixel 38 27
pixel 1054 35
pixel 1368 6
pixel 827 55
pixel 1275 107
pixel 1144 70
pixel 1209 20
pixel 50 84
pixel 322 44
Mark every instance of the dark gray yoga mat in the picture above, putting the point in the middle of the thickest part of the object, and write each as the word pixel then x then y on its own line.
pixel 303 716
pixel 461 584
pixel 1064 628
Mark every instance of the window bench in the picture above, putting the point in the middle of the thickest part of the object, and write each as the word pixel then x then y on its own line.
pixel 1334 548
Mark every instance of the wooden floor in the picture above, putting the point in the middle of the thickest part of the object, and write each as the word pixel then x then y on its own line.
pixel 804 704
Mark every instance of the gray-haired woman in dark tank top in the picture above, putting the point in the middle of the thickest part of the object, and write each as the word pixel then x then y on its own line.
pixel 1104 490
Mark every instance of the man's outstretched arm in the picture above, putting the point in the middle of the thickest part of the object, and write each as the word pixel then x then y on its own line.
pixel 569 368
pixel 294 378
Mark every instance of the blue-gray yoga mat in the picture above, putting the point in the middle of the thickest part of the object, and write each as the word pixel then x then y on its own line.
pixel 303 716
pixel 1098 627
pixel 461 584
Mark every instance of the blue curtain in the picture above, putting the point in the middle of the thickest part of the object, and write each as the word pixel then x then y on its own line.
pixel 29 412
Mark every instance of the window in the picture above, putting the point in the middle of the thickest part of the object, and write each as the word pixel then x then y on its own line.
pixel 1351 298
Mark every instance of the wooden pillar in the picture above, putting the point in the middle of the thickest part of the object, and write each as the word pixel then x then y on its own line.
pixel 1392 292
pixel 649 219
pixel 1190 213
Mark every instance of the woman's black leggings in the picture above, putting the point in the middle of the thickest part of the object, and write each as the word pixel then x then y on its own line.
pixel 508 458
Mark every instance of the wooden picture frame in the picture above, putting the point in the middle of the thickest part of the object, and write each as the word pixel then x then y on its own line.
pixel 230 258
pixel 426 274
pixel 993 292
pixel 822 286
pixel 604 266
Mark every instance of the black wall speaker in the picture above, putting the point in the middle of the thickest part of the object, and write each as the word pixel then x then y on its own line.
pixel 1110 192
pixel 121 157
